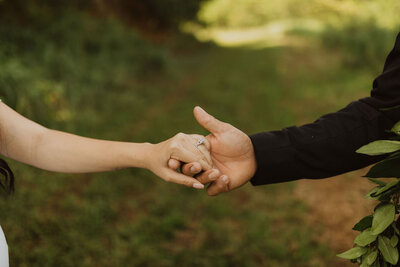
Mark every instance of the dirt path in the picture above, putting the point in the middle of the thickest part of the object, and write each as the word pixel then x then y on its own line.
pixel 336 204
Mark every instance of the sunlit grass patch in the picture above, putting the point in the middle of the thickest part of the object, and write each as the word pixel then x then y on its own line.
pixel 269 35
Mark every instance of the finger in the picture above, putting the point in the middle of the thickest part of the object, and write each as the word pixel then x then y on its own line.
pixel 189 153
pixel 174 164
pixel 207 121
pixel 207 155
pixel 191 169
pixel 204 152
pixel 204 148
pixel 178 178
pixel 208 176
pixel 205 165
pixel 221 185
pixel 184 150
pixel 198 137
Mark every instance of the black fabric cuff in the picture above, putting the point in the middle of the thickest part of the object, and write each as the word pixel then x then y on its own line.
pixel 271 153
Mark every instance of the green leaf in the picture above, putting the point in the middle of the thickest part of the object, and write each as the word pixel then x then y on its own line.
pixel 396 128
pixel 386 187
pixel 383 217
pixel 370 194
pixel 389 253
pixel 394 240
pixel 364 264
pixel 353 253
pixel 376 264
pixel 378 182
pixel 364 223
pixel 387 168
pixel 365 238
pixel 379 147
pixel 371 257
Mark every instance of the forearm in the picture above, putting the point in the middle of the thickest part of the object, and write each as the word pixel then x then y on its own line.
pixel 28 142
pixel 68 153
pixel 321 149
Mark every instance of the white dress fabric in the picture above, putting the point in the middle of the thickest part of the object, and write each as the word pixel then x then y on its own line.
pixel 3 250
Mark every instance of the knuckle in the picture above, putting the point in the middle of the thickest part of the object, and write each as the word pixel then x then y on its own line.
pixel 195 136
pixel 204 158
pixel 173 145
pixel 198 136
pixel 180 136
pixel 207 121
pixel 208 145
pixel 199 158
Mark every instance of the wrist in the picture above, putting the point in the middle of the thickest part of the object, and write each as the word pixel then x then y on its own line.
pixel 139 155
pixel 253 165
pixel 146 155
pixel 252 160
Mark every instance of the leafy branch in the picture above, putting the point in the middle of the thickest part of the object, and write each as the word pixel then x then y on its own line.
pixel 377 243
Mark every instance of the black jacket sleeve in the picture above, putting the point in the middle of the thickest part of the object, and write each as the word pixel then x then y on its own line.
pixel 327 147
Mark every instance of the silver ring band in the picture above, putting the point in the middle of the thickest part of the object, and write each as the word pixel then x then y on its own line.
pixel 200 142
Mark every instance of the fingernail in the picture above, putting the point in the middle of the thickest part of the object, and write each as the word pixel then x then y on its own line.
pixel 193 169
pixel 225 179
pixel 200 109
pixel 213 175
pixel 198 186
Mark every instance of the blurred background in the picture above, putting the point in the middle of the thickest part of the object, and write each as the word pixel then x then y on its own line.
pixel 133 71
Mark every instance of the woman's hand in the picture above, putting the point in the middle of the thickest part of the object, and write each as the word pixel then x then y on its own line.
pixel 182 148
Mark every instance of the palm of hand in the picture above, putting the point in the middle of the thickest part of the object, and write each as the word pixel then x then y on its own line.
pixel 232 153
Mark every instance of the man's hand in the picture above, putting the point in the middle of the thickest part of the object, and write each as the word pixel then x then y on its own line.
pixel 232 154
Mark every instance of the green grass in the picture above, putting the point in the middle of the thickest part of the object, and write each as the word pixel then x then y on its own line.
pixel 130 217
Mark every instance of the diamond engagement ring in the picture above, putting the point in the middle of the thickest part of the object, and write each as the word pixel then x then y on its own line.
pixel 200 142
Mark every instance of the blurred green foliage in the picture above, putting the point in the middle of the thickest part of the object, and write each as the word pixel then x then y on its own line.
pixel 45 73
pixel 153 15
pixel 361 44
pixel 95 76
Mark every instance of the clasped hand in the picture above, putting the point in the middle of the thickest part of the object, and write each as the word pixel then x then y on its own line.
pixel 225 160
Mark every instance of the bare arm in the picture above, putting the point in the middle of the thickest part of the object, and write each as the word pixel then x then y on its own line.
pixel 33 144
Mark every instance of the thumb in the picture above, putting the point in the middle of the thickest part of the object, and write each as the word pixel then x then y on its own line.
pixel 207 121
